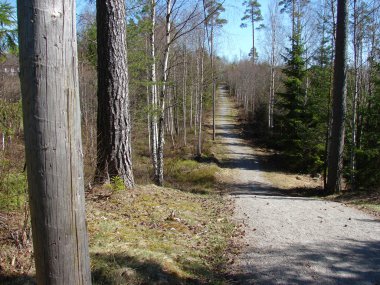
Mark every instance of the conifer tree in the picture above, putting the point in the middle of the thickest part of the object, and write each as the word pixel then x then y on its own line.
pixel 252 15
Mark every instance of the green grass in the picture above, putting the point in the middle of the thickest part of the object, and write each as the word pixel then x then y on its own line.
pixel 154 234
pixel 13 193
pixel 191 175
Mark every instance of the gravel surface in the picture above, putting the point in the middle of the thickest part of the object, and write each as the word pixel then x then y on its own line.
pixel 292 240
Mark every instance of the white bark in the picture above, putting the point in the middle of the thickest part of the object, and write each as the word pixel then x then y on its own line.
pixel 154 93
pixel 161 135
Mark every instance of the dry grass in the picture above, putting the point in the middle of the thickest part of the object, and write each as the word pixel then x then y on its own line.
pixel 368 201
pixel 148 235
pixel 154 234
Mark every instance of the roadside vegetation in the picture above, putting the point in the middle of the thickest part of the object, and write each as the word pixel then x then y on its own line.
pixel 145 235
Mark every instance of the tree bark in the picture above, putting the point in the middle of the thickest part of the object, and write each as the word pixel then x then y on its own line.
pixel 53 145
pixel 213 83
pixel 184 97
pixel 164 90
pixel 114 126
pixel 336 147
pixel 200 102
pixel 356 43
pixel 154 94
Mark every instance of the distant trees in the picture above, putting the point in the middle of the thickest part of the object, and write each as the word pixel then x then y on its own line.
pixel 252 15
pixel 274 23
pixel 300 120
pixel 114 157
pixel 50 97
pixel 213 21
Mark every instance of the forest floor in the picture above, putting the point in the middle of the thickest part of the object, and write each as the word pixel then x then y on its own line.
pixel 290 238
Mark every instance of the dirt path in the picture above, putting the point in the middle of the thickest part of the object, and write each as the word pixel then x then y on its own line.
pixel 292 240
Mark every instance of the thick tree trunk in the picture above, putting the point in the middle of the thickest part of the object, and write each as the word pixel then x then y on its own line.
pixel 114 126
pixel 53 145
pixel 336 147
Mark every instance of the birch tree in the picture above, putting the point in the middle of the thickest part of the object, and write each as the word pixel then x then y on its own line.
pixel 154 92
pixel 53 146
pixel 273 34
pixel 165 76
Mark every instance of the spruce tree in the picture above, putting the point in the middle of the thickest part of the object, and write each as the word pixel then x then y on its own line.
pixel 291 101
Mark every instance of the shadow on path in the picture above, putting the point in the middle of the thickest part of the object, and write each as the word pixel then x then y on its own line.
pixel 360 256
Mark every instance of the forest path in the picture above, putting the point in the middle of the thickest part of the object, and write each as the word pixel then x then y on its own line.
pixel 291 240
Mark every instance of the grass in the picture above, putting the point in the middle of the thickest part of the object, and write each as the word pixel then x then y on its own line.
pixel 154 234
pixel 148 235
pixel 191 175
pixel 369 201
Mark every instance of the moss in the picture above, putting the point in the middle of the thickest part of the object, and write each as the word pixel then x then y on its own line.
pixel 179 236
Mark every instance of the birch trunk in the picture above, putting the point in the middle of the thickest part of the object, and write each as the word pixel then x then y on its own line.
pixel 213 82
pixel 200 103
pixel 355 97
pixel 161 126
pixel 53 145
pixel 184 101
pixel 154 93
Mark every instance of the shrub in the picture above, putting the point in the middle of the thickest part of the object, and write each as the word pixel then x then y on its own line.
pixel 13 191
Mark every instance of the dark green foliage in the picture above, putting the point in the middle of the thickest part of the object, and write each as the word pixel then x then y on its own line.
pixel 213 10
pixel 368 155
pixel 8 31
pixel 293 119
pixel 252 13
pixel 302 121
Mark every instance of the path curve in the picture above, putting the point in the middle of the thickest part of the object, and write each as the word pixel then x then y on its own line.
pixel 292 240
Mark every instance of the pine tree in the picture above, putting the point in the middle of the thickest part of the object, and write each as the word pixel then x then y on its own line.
pixel 114 157
pixel 252 15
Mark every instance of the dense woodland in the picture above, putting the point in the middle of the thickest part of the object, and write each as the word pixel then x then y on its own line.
pixel 147 81
pixel 287 92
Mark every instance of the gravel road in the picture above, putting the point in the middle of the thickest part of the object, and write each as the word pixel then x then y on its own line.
pixel 292 240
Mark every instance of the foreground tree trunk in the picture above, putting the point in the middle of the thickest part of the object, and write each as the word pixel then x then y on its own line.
pixel 50 96
pixel 114 127
pixel 335 161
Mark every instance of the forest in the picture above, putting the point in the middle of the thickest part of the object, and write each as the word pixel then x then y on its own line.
pixel 128 142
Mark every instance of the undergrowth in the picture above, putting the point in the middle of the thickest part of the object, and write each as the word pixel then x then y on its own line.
pixel 155 235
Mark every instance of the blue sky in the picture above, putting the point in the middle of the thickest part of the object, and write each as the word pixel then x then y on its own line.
pixel 233 42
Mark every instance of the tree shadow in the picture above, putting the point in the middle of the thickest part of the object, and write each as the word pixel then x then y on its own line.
pixel 120 268
pixel 16 279
pixel 356 263
pixel 129 270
